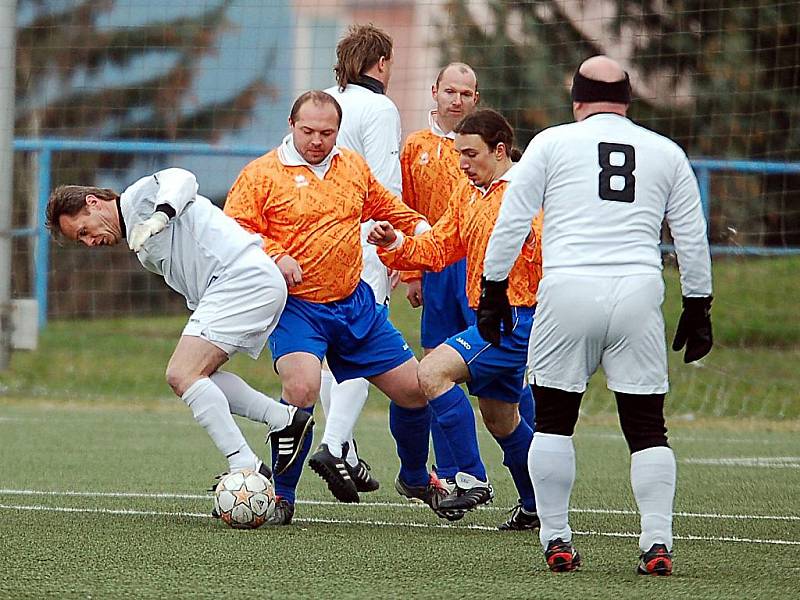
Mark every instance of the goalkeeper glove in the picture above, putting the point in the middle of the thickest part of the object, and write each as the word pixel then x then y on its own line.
pixel 146 229
pixel 494 310
pixel 694 329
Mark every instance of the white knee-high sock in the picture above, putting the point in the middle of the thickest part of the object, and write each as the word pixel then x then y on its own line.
pixel 210 408
pixel 347 400
pixel 325 385
pixel 551 464
pixel 250 403
pixel 653 475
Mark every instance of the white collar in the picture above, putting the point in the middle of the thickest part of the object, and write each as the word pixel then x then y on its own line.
pixel 290 157
pixel 436 130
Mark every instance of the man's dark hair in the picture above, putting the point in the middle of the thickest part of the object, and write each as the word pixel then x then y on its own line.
pixel 317 97
pixel 69 200
pixel 359 51
pixel 493 129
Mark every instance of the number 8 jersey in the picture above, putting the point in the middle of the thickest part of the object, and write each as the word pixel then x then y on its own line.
pixel 606 184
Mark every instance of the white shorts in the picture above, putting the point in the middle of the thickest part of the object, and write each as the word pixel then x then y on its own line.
pixel 583 322
pixel 241 307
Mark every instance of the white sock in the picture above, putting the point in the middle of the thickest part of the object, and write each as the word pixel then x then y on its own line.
pixel 551 464
pixel 250 403
pixel 210 408
pixel 347 400
pixel 653 475
pixel 325 385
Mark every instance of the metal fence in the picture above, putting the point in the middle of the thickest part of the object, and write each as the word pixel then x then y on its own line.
pixel 45 148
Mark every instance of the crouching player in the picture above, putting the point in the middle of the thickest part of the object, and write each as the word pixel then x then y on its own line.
pixel 236 292
pixel 492 369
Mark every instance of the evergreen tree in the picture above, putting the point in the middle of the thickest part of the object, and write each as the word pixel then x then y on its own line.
pixel 76 77
pixel 721 79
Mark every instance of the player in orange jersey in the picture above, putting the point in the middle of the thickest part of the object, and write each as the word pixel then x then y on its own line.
pixel 493 373
pixel 307 199
pixel 429 166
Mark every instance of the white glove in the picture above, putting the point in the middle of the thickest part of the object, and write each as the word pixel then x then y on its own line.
pixel 146 229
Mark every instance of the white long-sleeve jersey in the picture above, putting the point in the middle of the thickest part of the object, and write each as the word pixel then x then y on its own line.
pixel 371 127
pixel 198 243
pixel 605 184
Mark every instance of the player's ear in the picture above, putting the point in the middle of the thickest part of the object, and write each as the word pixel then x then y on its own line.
pixel 92 200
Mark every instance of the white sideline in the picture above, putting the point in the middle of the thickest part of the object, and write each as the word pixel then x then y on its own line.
pixel 176 496
pixel 109 511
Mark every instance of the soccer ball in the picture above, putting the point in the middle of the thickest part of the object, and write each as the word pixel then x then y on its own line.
pixel 245 499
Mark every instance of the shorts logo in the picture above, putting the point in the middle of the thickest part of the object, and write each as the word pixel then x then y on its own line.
pixel 405 346
pixel 300 181
pixel 464 343
pixel 424 158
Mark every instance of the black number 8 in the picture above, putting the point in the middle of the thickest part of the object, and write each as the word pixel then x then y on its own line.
pixel 625 170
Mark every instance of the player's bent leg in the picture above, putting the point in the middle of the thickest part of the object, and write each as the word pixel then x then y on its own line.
pixel 551 463
pixel 409 423
pixel 445 466
pixel 653 477
pixel 300 379
pixel 193 358
pixel 300 374
pixel 443 367
pixel 514 436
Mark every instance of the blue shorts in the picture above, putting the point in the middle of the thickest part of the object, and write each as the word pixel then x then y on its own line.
pixel 354 334
pixel 496 372
pixel 445 310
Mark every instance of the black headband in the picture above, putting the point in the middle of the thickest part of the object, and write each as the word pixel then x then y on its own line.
pixel 590 90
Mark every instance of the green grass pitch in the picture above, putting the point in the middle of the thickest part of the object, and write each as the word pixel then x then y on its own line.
pixel 103 475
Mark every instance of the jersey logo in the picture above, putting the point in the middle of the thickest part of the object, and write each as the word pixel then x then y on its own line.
pixel 300 181
pixel 424 158
pixel 464 343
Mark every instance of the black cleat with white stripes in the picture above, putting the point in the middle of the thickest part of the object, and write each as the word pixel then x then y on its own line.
pixel 335 473
pixel 289 440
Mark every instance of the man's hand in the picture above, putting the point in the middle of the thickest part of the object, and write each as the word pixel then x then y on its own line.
pixel 394 278
pixel 291 270
pixel 143 231
pixel 382 234
pixel 694 329
pixel 414 293
pixel 494 310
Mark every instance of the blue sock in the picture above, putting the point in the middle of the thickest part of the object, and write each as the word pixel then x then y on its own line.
pixel 286 484
pixel 411 428
pixel 527 406
pixel 445 461
pixel 454 414
pixel 515 457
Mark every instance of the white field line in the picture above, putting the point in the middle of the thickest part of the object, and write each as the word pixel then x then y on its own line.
pixel 174 496
pixel 770 462
pixel 149 513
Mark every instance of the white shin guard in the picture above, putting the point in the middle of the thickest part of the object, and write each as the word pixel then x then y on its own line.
pixel 653 476
pixel 551 464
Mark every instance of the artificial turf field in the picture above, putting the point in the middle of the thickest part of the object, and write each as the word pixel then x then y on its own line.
pixel 109 503
pixel 103 474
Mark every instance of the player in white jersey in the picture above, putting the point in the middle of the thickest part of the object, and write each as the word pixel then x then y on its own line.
pixel 370 126
pixel 605 185
pixel 235 291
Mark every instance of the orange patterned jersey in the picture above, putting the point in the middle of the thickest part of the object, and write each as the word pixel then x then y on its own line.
pixel 315 221
pixel 463 231
pixel 429 165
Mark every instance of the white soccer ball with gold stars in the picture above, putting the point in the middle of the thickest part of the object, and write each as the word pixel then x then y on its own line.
pixel 245 499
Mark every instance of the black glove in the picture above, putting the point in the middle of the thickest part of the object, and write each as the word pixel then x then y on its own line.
pixel 494 310
pixel 694 329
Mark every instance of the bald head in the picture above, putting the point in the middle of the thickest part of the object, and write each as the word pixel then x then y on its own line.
pixel 602 68
pixel 600 85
